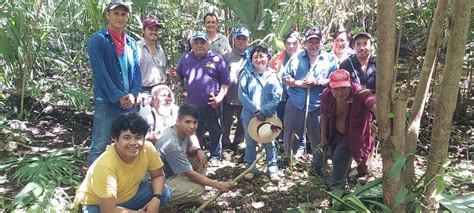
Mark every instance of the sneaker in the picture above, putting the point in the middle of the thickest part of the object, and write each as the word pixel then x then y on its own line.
pixel 214 162
pixel 274 178
pixel 249 176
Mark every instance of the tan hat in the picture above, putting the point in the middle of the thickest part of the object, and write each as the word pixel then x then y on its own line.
pixel 261 132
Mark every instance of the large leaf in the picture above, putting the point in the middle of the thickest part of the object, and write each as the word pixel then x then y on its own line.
pixel 360 190
pixel 401 196
pixel 397 167
pixel 463 203
pixel 382 206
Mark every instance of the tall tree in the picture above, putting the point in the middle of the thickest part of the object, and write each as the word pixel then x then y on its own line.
pixel 391 143
pixel 417 108
pixel 444 109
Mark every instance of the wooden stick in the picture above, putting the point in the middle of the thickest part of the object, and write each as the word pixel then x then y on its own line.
pixel 234 181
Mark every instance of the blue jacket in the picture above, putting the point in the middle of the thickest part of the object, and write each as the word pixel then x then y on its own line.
pixel 106 69
pixel 298 67
pixel 259 93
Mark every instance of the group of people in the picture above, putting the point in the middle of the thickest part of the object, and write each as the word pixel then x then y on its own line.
pixel 157 158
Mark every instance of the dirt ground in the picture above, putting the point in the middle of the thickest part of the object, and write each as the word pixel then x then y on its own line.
pixel 297 190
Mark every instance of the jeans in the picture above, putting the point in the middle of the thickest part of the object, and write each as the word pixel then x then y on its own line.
pixel 281 113
pixel 251 152
pixel 294 124
pixel 228 111
pixel 341 160
pixel 143 196
pixel 208 118
pixel 104 114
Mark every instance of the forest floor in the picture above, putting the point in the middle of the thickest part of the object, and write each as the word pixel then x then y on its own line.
pixel 298 190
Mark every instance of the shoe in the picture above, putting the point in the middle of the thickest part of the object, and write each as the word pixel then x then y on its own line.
pixel 249 176
pixel 274 178
pixel 214 162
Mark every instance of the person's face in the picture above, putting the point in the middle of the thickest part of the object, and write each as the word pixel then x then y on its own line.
pixel 362 47
pixel 163 98
pixel 117 18
pixel 151 33
pixel 292 45
pixel 200 47
pixel 241 43
pixel 260 61
pixel 129 145
pixel 187 125
pixel 341 93
pixel 312 46
pixel 210 23
pixel 340 43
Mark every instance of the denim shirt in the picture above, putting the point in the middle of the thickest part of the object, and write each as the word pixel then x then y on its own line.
pixel 259 92
pixel 106 68
pixel 298 68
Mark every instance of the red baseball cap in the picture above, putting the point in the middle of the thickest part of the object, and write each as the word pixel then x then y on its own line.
pixel 150 22
pixel 339 78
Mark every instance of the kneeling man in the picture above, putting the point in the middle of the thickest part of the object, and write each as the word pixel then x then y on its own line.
pixel 347 113
pixel 115 181
pixel 185 162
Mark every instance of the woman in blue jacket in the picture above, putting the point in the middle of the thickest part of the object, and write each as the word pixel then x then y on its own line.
pixel 260 92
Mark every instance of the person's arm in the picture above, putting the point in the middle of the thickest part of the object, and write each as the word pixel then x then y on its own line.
pixel 243 92
pixel 95 50
pixel 203 180
pixel 157 184
pixel 109 205
pixel 269 108
pixel 325 119
pixel 288 75
pixel 194 149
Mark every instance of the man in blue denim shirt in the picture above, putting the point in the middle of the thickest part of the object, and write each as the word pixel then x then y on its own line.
pixel 116 72
pixel 306 71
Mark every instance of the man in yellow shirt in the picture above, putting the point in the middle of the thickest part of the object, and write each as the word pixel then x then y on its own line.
pixel 115 181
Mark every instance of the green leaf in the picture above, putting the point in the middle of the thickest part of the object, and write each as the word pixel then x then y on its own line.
pixel 383 207
pixel 397 167
pixel 463 203
pixel 360 190
pixel 401 196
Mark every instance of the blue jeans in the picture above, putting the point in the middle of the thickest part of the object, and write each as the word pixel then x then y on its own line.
pixel 251 152
pixel 143 196
pixel 341 160
pixel 208 118
pixel 104 114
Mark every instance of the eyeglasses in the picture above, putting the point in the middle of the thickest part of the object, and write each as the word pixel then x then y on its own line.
pixel 311 44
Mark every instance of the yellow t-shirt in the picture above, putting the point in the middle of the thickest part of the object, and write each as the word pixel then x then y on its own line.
pixel 109 176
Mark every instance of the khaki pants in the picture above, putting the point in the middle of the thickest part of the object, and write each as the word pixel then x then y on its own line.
pixel 184 189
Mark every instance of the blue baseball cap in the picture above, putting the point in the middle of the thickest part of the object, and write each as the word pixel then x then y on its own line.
pixel 200 35
pixel 242 31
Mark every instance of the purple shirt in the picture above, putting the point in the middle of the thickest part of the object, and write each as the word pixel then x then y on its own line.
pixel 358 119
pixel 202 76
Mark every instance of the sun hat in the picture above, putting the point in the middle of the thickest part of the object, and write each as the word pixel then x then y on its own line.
pixel 261 132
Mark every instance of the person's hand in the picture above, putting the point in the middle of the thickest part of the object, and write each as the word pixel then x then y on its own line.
pixel 152 206
pixel 275 128
pixel 225 186
pixel 201 156
pixel 302 84
pixel 259 115
pixel 214 101
pixel 172 72
pixel 310 81
pixel 127 101
pixel 323 143
pixel 153 137
pixel 373 127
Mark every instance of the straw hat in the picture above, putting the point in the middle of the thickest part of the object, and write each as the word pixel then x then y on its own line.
pixel 261 132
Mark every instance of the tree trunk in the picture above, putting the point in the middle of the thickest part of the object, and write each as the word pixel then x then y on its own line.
pixel 385 93
pixel 417 109
pixel 444 109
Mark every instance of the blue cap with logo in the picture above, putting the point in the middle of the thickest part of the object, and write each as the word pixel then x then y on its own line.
pixel 200 35
pixel 242 31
